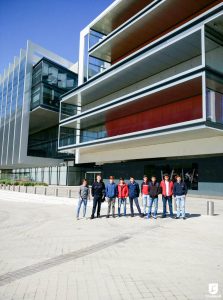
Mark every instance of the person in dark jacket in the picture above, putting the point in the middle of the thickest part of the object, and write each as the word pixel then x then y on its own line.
pixel 111 194
pixel 154 191
pixel 134 195
pixel 98 194
pixel 180 191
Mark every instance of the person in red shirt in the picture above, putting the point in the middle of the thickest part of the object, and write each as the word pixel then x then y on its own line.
pixel 123 193
pixel 167 193
pixel 145 193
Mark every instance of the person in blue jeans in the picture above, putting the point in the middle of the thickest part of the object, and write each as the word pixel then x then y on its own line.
pixel 145 193
pixel 180 191
pixel 84 195
pixel 134 195
pixel 122 193
pixel 154 191
pixel 111 194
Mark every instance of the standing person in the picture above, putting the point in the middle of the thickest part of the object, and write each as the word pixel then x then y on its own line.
pixel 167 193
pixel 84 195
pixel 180 191
pixel 145 193
pixel 133 196
pixel 154 191
pixel 122 191
pixel 98 194
pixel 111 194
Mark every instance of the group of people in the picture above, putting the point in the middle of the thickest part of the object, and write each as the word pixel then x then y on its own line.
pixel 150 190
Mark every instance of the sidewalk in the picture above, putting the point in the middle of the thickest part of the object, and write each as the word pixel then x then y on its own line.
pixel 46 254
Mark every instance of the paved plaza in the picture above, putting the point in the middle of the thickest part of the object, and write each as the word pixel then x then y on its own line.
pixel 46 254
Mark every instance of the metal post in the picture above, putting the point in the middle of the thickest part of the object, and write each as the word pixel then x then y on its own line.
pixel 34 189
pixel 56 192
pixel 45 190
pixel 210 208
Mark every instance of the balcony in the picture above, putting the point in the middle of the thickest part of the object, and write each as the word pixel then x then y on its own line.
pixel 182 54
pixel 147 28
pixel 173 105
pixel 117 14
pixel 187 103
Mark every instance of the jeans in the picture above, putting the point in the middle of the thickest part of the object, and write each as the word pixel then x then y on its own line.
pixel 84 202
pixel 151 201
pixel 169 200
pixel 96 204
pixel 136 203
pixel 111 202
pixel 180 205
pixel 145 201
pixel 120 202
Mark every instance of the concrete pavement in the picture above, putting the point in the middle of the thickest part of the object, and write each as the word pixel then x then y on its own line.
pixel 45 253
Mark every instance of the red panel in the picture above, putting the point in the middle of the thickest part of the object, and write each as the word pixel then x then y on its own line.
pixel 161 28
pixel 172 113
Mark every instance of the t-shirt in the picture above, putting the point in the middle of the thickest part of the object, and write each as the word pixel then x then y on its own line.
pixel 167 183
pixel 145 189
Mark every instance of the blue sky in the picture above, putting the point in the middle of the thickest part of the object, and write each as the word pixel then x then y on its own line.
pixel 53 24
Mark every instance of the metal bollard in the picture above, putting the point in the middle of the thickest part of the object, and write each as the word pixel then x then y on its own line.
pixel 69 193
pixel 210 208
pixel 45 191
pixel 56 192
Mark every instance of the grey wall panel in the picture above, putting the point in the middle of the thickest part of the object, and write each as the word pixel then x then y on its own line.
pixel 12 113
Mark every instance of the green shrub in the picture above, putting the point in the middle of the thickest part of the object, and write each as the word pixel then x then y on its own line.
pixel 24 183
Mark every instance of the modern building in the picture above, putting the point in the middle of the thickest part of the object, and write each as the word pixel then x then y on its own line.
pixel 30 91
pixel 150 93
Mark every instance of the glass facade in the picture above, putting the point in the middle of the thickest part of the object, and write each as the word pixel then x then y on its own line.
pixel 68 110
pixel 96 66
pixel 95 37
pixel 67 136
pixel 49 82
pixel 45 144
pixel 11 108
pixel 54 175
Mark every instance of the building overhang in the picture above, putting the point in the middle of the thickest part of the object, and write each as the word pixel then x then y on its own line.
pixel 145 65
pixel 117 13
pixel 147 27
pixel 199 140
pixel 42 118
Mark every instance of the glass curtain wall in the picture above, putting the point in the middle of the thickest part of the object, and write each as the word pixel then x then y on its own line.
pixel 49 82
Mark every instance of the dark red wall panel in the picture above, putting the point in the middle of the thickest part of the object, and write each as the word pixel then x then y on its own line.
pixel 172 113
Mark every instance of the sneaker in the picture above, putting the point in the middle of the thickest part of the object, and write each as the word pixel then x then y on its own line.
pixel 177 218
pixel 92 217
pixel 113 216
pixel 163 216
pixel 184 218
pixel 98 216
pixel 142 216
pixel 132 216
pixel 154 217
pixel 78 218
pixel 107 216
